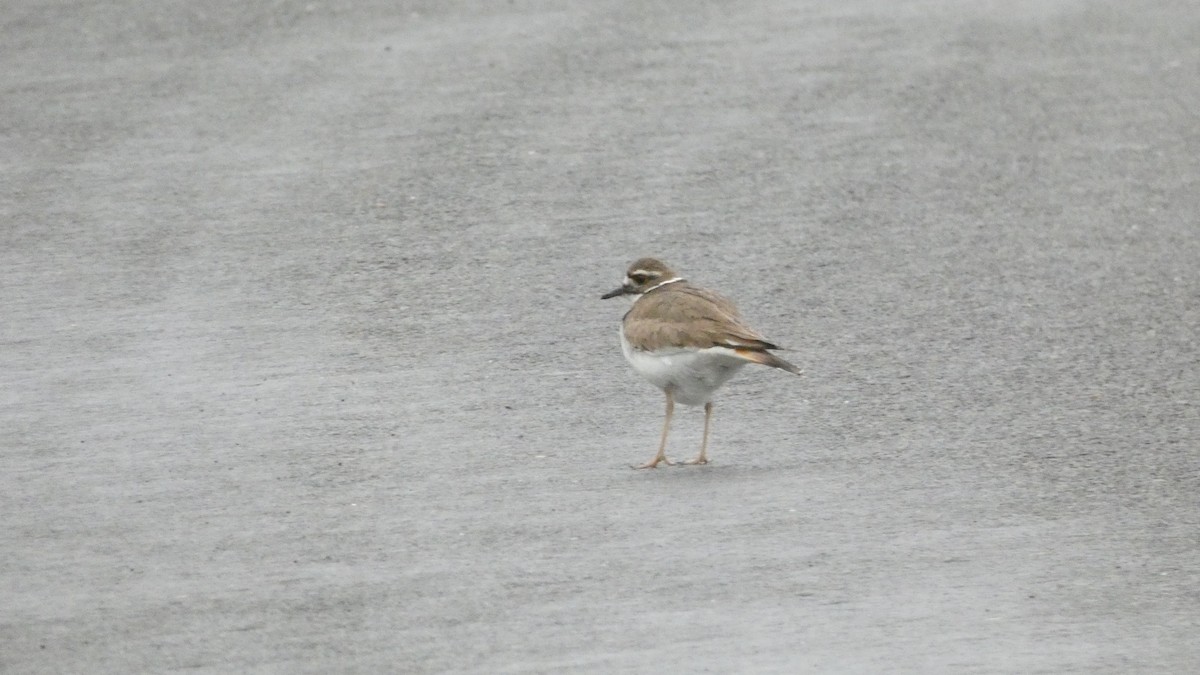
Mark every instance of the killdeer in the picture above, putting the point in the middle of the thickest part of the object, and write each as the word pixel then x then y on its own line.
pixel 687 341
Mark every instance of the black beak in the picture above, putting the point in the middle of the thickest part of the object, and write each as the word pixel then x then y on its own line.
pixel 615 292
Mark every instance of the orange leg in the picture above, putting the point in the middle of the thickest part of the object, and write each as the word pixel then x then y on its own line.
pixel 661 457
pixel 702 458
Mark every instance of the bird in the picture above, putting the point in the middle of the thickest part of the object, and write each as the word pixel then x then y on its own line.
pixel 687 341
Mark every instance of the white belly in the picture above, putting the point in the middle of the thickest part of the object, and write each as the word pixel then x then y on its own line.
pixel 692 375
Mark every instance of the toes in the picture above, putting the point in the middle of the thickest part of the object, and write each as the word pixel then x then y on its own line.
pixel 653 464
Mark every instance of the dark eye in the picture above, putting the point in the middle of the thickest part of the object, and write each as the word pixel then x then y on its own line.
pixel 638 278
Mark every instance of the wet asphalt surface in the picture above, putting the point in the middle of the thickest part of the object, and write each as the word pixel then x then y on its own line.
pixel 305 367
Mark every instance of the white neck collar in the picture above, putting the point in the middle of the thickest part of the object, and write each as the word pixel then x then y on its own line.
pixel 662 283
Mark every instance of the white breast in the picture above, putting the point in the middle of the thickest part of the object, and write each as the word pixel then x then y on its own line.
pixel 692 375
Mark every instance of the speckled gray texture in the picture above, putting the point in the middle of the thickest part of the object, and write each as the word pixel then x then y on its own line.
pixel 305 370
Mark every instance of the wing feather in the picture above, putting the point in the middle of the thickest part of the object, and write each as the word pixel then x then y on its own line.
pixel 682 315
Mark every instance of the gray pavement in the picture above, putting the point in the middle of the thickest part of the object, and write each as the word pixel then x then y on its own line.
pixel 305 370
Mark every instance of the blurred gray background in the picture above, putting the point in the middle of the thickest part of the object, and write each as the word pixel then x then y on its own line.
pixel 305 370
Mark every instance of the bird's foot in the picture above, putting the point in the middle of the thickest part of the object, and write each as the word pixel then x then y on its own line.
pixel 697 461
pixel 654 463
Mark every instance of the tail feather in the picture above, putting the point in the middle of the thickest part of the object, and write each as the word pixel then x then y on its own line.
pixel 767 359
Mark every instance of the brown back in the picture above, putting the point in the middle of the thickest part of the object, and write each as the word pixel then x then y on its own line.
pixel 682 315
